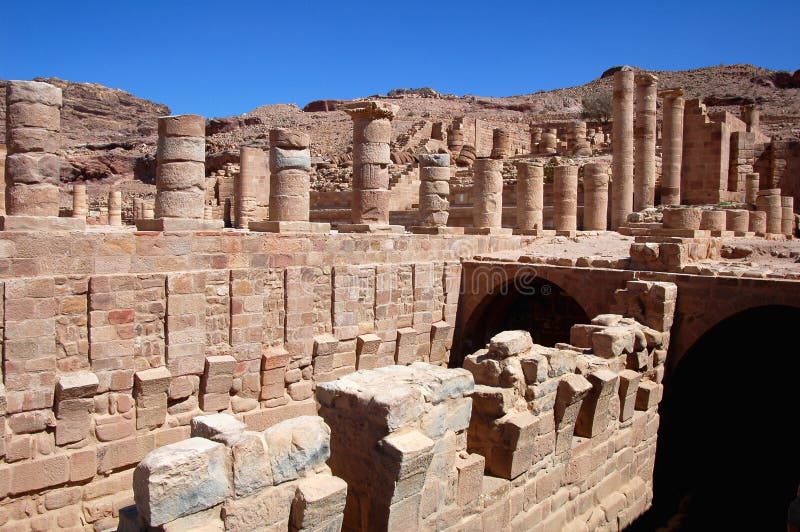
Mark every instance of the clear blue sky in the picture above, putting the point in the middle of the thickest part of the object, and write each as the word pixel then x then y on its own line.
pixel 224 58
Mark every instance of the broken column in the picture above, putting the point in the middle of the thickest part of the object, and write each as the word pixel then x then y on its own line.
pixel 33 131
pixel 180 176
pixel 252 169
pixel 290 183
pixel 787 215
pixel 549 142
pixel 672 147
pixel 434 189
pixel 769 201
pixel 644 172
pixel 487 198
pixel 536 138
pixel 622 148
pixel 501 143
pixel 565 199
pixel 595 196
pixel 372 132
pixel 79 207
pixel 455 141
pixel 751 188
pixel 530 197
pixel 115 208
pixel 758 223
pixel 576 139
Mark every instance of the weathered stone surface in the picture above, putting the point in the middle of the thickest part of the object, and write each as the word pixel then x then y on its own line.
pixel 216 426
pixel 180 479
pixel 508 343
pixel 319 503
pixel 297 446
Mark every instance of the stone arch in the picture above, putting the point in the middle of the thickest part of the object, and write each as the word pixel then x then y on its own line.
pixel 726 437
pixel 529 301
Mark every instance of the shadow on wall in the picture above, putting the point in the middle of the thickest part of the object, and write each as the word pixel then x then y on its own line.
pixel 538 306
pixel 727 448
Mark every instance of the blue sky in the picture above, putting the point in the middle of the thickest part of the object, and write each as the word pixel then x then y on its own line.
pixel 224 58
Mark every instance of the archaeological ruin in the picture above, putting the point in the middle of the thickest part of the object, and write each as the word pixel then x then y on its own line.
pixel 491 325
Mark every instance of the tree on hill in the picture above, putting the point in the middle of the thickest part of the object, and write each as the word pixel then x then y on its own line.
pixel 597 107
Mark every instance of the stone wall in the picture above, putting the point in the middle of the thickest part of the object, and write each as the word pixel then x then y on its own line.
pixel 113 341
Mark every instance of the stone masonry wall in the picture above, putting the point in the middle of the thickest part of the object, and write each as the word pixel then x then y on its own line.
pixel 113 341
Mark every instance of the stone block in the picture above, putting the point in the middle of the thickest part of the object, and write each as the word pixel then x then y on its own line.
pixel 613 341
pixel 319 503
pixel 406 454
pixel 535 368
pixel 296 446
pixel 76 385
pixel 216 426
pixel 595 412
pixel 508 343
pixel 181 479
pixel 470 469
pixel 252 471
pixel 151 381
pixel 648 395
pixel 406 345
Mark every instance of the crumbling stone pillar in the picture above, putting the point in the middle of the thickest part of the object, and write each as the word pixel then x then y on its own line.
pixel 438 131
pixel 501 143
pixel 565 199
pixel 252 169
pixel 398 438
pixel 758 222
pixel 434 189
pixel 3 153
pixel 372 132
pixel 115 208
pixel 750 116
pixel 622 148
pixel 180 176
pixel 549 142
pixel 645 139
pixel 714 221
pixel 595 196
pixel 576 139
pixel 487 198
pixel 32 172
pixel 536 138
pixel 751 189
pixel 672 150
pixel 738 221
pixel 455 138
pixel 787 215
pixel 79 207
pixel 769 201
pixel 290 183
pixel 530 197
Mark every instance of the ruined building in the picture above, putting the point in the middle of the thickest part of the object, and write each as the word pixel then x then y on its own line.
pixel 581 349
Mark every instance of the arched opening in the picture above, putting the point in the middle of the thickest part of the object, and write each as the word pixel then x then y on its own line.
pixel 727 451
pixel 534 304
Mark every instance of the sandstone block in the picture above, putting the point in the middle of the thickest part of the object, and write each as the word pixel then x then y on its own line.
pixel 470 477
pixel 182 126
pixel 33 168
pixel 296 446
pixel 180 176
pixel 648 395
pixel 252 471
pixel 151 381
pixel 187 203
pixel 216 426
pixel 319 503
pixel 181 149
pixel 372 153
pixel 613 342
pixel 291 139
pixel 76 385
pixel 508 343
pixel 406 454
pixel 283 159
pixel 535 367
pixel 366 130
pixel 33 92
pixel 180 479
pixel 33 139
pixel 289 182
pixel 27 114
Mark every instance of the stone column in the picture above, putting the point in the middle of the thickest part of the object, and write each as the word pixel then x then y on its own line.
pixel 455 141
pixel 738 221
pixel 115 208
pixel 79 207
pixel 434 189
pixel 644 130
pixel 137 209
pixel 437 131
pixel 33 136
pixel 595 196
pixel 290 184
pixel 530 197
pixel 769 201
pixel 758 222
pixel 372 132
pixel 622 148
pixel 549 143
pixel 787 215
pixel 565 200
pixel 751 188
pixel 252 169
pixel 501 144
pixel 3 154
pixel 180 176
pixel 536 138
pixel 750 116
pixel 576 139
pixel 487 198
pixel 672 147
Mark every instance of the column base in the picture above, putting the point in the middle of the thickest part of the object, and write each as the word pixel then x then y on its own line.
pixel 488 231
pixel 535 232
pixel 289 227
pixel 746 234
pixel 370 228
pixel 419 230
pixel 178 224
pixel 41 223
pixel 723 234
pixel 682 233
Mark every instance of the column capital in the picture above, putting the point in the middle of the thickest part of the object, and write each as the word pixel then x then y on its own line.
pixel 645 79
pixel 671 93
pixel 371 109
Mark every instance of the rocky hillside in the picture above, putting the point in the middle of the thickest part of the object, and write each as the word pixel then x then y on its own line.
pixel 110 134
